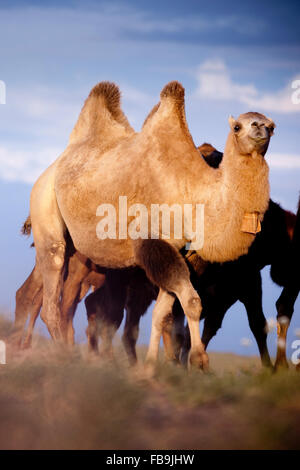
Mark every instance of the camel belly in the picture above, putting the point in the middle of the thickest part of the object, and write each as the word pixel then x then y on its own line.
pixel 107 253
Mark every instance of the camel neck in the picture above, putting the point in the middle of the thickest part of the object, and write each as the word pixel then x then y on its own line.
pixel 245 178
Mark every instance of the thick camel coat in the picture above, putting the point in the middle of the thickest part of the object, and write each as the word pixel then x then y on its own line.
pixel 105 159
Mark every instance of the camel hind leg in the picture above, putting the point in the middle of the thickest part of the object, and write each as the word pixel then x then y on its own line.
pixel 77 272
pixel 49 234
pixel 53 284
pixel 51 259
pixel 166 268
pixel 27 301
pixel 34 313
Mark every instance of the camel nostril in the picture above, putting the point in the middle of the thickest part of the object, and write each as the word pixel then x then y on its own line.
pixel 254 124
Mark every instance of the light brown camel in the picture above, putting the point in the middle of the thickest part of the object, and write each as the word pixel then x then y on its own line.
pixel 105 159
pixel 80 277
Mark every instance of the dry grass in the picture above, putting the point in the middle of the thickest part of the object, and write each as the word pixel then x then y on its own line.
pixel 56 399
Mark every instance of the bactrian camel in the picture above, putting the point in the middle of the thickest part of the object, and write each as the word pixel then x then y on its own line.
pixel 106 159
pixel 80 274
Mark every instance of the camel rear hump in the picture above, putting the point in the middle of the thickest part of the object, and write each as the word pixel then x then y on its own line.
pixel 101 115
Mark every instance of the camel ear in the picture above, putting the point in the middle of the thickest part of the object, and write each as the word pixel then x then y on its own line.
pixel 272 123
pixel 231 121
pixel 271 120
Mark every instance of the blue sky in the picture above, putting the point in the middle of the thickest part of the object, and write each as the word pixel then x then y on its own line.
pixel 231 58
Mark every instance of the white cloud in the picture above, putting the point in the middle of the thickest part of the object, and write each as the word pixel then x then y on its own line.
pixel 215 83
pixel 25 166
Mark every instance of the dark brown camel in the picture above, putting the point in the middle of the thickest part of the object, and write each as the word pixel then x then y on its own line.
pixel 288 297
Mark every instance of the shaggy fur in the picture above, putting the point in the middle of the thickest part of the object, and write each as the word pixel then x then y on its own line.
pixel 104 96
pixel 222 285
pixel 248 190
pixel 156 257
pixel 163 166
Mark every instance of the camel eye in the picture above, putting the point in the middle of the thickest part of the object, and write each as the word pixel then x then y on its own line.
pixel 271 128
pixel 236 128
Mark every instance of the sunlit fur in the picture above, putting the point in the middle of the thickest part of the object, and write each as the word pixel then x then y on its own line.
pixel 161 164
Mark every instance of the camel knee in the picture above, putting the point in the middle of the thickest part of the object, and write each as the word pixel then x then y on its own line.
pixel 190 302
pixel 57 255
pixel 194 308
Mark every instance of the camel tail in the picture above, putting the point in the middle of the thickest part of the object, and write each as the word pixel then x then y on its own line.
pixel 104 99
pixel 26 227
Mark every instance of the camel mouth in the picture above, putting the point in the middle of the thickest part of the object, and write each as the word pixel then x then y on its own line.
pixel 260 140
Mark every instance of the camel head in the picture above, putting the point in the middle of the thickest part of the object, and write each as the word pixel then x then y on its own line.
pixel 251 133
